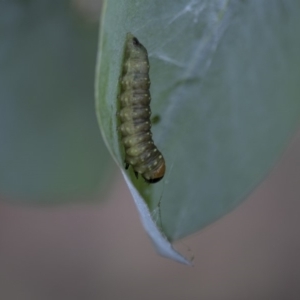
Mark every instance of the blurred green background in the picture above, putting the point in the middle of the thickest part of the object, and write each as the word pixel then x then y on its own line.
pixel 51 147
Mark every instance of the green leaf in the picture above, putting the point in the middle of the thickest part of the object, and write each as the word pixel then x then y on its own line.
pixel 51 148
pixel 225 83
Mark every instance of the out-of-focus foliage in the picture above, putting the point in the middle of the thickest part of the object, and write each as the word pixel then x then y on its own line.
pixel 51 149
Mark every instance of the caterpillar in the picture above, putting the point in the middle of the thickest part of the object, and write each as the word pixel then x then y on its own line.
pixel 135 126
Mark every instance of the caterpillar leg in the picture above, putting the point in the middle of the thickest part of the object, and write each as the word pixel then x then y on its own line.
pixel 127 165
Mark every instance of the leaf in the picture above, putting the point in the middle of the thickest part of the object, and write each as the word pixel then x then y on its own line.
pixel 51 149
pixel 225 84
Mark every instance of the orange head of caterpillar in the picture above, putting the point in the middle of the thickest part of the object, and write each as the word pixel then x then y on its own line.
pixel 156 174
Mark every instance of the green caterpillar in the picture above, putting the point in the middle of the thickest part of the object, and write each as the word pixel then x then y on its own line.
pixel 135 112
